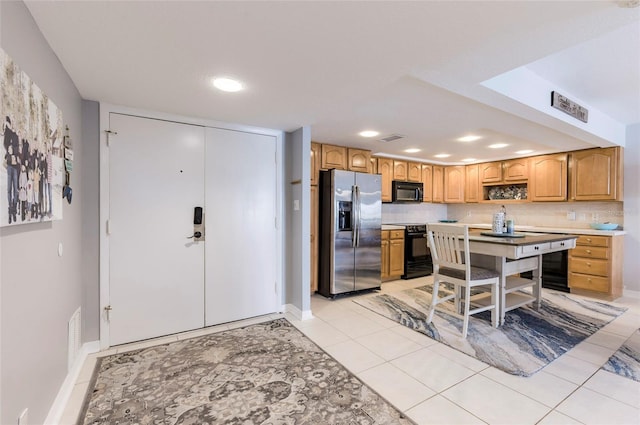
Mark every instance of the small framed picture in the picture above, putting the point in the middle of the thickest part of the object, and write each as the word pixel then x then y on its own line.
pixel 67 141
pixel 68 154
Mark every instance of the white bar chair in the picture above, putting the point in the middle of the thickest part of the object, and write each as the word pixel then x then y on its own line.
pixel 453 265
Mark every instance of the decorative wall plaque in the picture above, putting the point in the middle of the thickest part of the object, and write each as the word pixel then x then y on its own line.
pixel 568 106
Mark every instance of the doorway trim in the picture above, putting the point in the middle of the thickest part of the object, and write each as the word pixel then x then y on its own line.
pixel 105 110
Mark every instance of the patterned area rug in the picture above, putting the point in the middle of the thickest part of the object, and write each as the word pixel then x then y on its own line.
pixel 527 342
pixel 268 373
pixel 626 361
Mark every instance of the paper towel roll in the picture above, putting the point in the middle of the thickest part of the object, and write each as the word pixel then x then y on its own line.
pixel 498 222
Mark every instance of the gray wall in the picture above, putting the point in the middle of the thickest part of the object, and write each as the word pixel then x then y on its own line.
pixel 298 249
pixel 90 168
pixel 39 290
pixel 632 208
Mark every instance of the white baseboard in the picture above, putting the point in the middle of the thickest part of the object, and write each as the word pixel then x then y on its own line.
pixel 59 404
pixel 299 314
pixel 631 294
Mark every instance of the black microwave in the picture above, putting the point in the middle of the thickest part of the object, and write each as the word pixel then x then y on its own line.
pixel 406 191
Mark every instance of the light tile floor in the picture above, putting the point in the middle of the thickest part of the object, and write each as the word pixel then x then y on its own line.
pixel 435 384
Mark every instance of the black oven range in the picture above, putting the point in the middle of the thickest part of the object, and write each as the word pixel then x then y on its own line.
pixel 417 256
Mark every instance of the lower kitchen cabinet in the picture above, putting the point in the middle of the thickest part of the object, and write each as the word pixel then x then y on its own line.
pixel 595 266
pixel 392 254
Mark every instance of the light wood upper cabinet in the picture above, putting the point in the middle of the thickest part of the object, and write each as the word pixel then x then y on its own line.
pixel 359 160
pixel 427 182
pixel 373 165
pixel 334 157
pixel 490 172
pixel 548 178
pixel 504 171
pixel 414 172
pixel 385 169
pixel 596 175
pixel 438 183
pixel 315 163
pixel 472 188
pixel 454 178
pixel 400 170
pixel 515 170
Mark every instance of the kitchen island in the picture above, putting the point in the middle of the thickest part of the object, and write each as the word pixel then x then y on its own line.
pixel 511 256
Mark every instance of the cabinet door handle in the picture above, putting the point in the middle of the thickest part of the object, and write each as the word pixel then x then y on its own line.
pixel 588 251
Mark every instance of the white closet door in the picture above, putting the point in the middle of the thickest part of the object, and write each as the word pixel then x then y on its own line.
pixel 240 217
pixel 156 274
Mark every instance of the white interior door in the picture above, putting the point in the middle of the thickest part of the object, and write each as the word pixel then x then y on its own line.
pixel 240 217
pixel 156 283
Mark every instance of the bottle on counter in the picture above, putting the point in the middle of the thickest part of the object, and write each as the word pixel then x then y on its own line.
pixel 498 222
pixel 510 226
pixel 503 210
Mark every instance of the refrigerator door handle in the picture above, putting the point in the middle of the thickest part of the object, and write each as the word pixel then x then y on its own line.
pixel 358 215
pixel 354 221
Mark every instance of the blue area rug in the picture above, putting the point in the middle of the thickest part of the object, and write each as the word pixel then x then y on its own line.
pixel 528 341
pixel 626 361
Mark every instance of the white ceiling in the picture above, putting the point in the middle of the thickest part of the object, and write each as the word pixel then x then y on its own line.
pixel 413 68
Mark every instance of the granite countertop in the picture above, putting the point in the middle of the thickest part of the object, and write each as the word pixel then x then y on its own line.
pixel 534 229
pixel 556 230
pixel 526 239
pixel 392 227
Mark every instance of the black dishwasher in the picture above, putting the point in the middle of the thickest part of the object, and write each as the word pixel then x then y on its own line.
pixel 554 271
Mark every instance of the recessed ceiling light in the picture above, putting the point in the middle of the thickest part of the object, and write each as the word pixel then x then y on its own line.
pixel 498 145
pixel 412 150
pixel 369 133
pixel 442 155
pixel 469 138
pixel 524 151
pixel 227 84
pixel 469 160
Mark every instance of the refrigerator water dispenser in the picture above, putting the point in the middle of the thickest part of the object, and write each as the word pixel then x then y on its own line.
pixel 344 215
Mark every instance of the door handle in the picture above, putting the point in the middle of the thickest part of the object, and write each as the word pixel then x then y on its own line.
pixel 358 216
pixel 198 225
pixel 197 215
pixel 354 219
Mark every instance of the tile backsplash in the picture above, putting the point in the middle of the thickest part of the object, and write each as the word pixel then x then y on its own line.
pixel 547 214
pixel 413 213
pixel 574 215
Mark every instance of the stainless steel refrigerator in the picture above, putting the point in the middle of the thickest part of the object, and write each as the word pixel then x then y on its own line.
pixel 350 214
